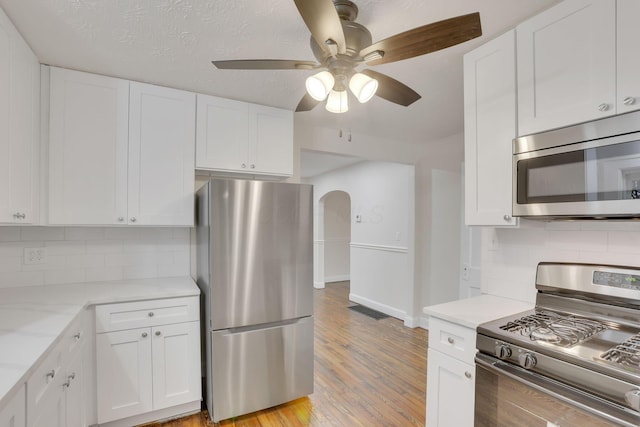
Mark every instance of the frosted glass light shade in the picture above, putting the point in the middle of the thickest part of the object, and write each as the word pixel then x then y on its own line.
pixel 319 85
pixel 363 87
pixel 337 102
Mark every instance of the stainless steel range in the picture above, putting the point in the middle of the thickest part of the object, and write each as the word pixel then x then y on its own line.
pixel 579 349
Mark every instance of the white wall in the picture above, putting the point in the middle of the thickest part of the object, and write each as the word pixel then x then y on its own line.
pixel 91 254
pixel 337 236
pixel 382 243
pixel 510 256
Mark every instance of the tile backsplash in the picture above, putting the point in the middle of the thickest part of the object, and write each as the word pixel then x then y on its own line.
pixel 92 254
pixel 510 256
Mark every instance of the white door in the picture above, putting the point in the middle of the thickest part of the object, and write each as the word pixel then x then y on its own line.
pixel 270 140
pixel 74 399
pixel 161 155
pixel 222 134
pixel 19 124
pixel 52 413
pixel 14 412
pixel 450 396
pixel 176 364
pixel 489 128
pixel 124 374
pixel 628 96
pixel 566 65
pixel 87 148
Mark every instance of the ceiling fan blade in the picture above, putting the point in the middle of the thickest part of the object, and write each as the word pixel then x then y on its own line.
pixel 392 90
pixel 307 103
pixel 265 64
pixel 324 23
pixel 426 39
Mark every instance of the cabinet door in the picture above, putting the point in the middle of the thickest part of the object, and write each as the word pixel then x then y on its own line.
pixel 566 65
pixel 450 391
pixel 87 148
pixel 19 125
pixel 176 364
pixel 14 413
pixel 123 374
pixel 270 140
pixel 53 412
pixel 161 155
pixel 222 134
pixel 628 95
pixel 489 128
pixel 74 393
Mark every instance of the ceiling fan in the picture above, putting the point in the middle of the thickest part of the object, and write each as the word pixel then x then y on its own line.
pixel 340 45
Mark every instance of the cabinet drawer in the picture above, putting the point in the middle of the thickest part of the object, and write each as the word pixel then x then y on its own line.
pixel 140 314
pixel 452 339
pixel 74 336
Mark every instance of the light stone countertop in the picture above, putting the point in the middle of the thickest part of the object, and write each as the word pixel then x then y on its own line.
pixel 473 311
pixel 33 318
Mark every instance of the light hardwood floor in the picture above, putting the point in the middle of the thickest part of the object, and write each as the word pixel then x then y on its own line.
pixel 367 373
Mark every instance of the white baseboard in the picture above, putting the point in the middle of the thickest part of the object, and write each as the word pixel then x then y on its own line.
pixel 383 308
pixel 417 322
pixel 338 278
pixel 318 285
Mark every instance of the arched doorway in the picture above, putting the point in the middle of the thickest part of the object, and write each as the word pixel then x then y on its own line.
pixel 335 237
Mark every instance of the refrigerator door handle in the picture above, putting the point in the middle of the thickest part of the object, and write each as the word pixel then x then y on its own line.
pixel 263 326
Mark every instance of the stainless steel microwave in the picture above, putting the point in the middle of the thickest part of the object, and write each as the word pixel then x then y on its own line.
pixel 590 170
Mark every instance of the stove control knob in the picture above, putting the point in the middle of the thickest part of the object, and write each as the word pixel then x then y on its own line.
pixel 527 360
pixel 503 351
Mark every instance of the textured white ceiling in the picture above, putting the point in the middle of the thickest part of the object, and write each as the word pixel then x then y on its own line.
pixel 172 43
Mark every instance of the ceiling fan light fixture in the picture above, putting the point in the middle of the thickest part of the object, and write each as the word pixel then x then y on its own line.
pixel 363 87
pixel 319 85
pixel 337 102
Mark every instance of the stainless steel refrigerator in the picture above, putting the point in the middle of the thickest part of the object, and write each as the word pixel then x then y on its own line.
pixel 255 271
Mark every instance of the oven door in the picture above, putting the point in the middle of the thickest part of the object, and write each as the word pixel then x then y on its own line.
pixel 592 179
pixel 507 395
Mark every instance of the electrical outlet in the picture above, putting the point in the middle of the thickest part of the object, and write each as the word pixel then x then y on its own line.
pixel 35 256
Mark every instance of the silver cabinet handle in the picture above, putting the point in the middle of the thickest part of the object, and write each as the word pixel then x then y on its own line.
pixel 151 314
pixel 133 219
pixel 67 384
pixel 629 100
pixel 144 335
pixel 450 340
pixel 507 218
pixel 158 333
pixel 120 218
pixel 19 215
pixel 77 336
pixel 51 374
pixel 243 165
pixel 467 374
pixel 603 107
pixel 71 376
pixel 253 166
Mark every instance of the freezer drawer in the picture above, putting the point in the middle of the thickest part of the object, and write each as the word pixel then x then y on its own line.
pixel 253 369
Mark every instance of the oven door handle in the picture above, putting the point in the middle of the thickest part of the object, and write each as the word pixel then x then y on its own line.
pixel 558 390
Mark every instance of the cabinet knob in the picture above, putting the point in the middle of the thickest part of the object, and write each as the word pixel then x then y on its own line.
pixel 253 166
pixel 67 384
pixel 19 215
pixel 603 107
pixel 467 374
pixel 243 166
pixel 71 376
pixel 144 335
pixel 450 340
pixel 629 100
pixel 120 218
pixel 158 333
pixel 51 374
pixel 150 314
pixel 133 219
pixel 77 336
pixel 507 218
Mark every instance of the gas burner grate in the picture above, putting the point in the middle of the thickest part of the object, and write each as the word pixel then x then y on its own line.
pixel 626 354
pixel 547 326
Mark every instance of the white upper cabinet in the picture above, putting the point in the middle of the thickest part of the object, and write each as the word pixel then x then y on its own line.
pixel 489 128
pixel 566 61
pixel 88 138
pixel 628 34
pixel 234 136
pixel 161 155
pixel 120 152
pixel 19 126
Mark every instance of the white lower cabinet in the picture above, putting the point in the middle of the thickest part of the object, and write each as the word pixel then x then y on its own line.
pixel 450 391
pixel 148 368
pixel 14 414
pixel 450 374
